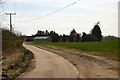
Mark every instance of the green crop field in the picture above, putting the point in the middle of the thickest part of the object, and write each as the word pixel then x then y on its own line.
pixel 106 48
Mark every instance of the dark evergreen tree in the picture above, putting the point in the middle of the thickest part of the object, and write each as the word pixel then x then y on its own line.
pixel 40 33
pixel 46 33
pixel 73 31
pixel 83 39
pixel 78 38
pixel 97 32
pixel 71 38
pixel 54 36
pixel 60 38
pixel 64 38
pixel 73 34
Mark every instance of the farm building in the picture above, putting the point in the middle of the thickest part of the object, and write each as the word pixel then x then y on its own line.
pixel 43 39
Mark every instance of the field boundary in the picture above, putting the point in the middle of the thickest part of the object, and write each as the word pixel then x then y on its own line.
pixel 99 59
pixel 88 67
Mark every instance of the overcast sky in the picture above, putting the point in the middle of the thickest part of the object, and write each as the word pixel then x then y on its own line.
pixel 81 16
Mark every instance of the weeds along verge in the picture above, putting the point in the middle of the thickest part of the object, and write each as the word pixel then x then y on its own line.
pixel 15 58
pixel 15 66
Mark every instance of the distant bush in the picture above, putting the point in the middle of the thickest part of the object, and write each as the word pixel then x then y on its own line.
pixel 110 37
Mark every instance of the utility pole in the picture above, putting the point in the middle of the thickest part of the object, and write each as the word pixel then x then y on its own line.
pixel 10 19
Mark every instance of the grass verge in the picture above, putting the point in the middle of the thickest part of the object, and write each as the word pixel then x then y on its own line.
pixel 16 64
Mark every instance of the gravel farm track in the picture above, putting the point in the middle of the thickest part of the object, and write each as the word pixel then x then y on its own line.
pixel 53 63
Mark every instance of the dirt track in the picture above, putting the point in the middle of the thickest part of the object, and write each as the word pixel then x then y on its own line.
pixel 88 66
pixel 49 65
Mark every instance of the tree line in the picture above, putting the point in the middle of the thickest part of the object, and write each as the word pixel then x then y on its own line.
pixel 94 35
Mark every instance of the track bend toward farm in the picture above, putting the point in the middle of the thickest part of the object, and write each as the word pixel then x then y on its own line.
pixel 51 64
